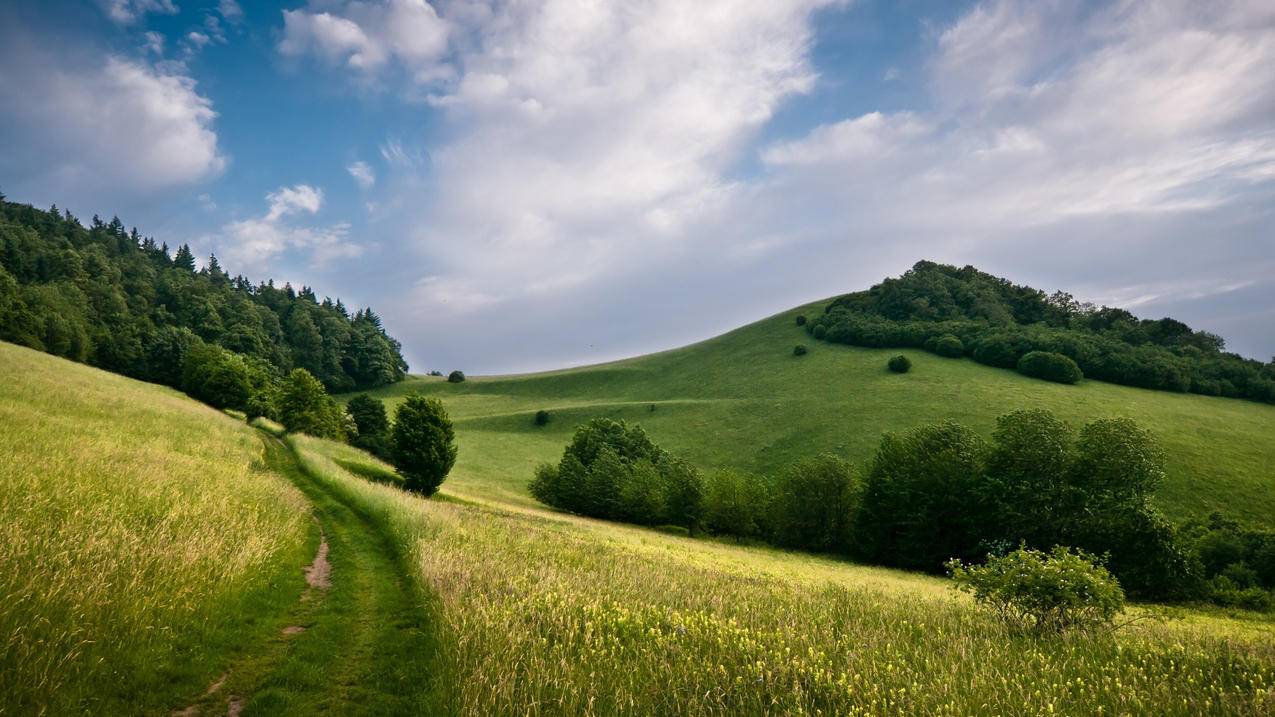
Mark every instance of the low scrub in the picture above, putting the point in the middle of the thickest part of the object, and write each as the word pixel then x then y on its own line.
pixel 1050 367
pixel 1043 592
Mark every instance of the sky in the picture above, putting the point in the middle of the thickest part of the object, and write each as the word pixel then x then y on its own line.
pixel 517 185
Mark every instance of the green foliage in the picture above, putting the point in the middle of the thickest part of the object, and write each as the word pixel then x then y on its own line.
pixel 1043 592
pixel 1235 562
pixel 814 503
pixel 613 471
pixel 422 444
pixel 1001 323
pixel 542 418
pixel 799 350
pixel 217 377
pixel 736 504
pixel 1050 367
pixel 372 425
pixel 948 346
pixel 119 302
pixel 801 319
pixel 899 364
pixel 920 504
pixel 304 407
pixel 456 377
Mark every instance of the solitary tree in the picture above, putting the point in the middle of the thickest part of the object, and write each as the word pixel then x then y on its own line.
pixel 422 444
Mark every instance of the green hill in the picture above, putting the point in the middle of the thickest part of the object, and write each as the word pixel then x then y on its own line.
pixel 742 400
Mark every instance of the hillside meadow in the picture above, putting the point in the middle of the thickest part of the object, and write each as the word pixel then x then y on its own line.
pixel 543 614
pixel 141 541
pixel 743 401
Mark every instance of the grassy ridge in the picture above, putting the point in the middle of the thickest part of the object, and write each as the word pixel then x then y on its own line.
pixel 544 614
pixel 742 400
pixel 140 540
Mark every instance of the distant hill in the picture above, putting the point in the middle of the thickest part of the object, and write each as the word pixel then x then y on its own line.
pixel 110 298
pixel 997 322
pixel 743 400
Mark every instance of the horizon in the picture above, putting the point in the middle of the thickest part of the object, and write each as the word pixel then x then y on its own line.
pixel 586 184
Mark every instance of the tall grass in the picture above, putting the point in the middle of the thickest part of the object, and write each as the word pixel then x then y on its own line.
pixel 138 542
pixel 548 614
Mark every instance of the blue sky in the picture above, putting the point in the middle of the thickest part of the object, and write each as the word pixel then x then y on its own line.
pixel 522 185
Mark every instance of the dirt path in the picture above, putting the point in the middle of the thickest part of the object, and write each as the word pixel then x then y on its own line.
pixel 356 644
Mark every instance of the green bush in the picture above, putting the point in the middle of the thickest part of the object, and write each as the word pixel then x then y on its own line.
pixel 1043 592
pixel 947 345
pixel 422 443
pixel 1050 367
pixel 542 417
pixel 801 319
pixel 736 504
pixel 611 470
pixel 900 364
pixel 216 376
pixel 456 377
pixel 799 350
pixel 372 425
pixel 819 332
pixel 305 407
pixel 814 503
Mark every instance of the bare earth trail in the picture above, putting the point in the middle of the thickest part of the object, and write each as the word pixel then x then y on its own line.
pixel 358 642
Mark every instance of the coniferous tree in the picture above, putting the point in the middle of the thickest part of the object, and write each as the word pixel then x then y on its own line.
pixel 184 259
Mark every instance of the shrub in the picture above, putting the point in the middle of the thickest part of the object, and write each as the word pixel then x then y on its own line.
pixel 456 377
pixel 542 417
pixel 814 505
pixel 1050 367
pixel 820 331
pixel 799 350
pixel 422 443
pixel 801 319
pixel 216 376
pixel 611 470
pixel 305 407
pixel 900 364
pixel 371 423
pixel 947 345
pixel 1043 592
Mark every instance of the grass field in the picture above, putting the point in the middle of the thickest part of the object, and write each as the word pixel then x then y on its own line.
pixel 545 614
pixel 742 400
pixel 141 541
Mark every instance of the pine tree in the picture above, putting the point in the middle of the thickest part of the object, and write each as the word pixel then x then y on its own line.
pixel 184 259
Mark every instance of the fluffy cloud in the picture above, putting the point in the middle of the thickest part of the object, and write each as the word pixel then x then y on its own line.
pixel 127 12
pixel 251 244
pixel 117 125
pixel 368 37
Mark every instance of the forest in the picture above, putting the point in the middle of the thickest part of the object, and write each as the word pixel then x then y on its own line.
pixel 111 298
pixel 957 312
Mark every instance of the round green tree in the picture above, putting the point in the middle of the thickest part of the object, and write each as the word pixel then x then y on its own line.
pixel 422 444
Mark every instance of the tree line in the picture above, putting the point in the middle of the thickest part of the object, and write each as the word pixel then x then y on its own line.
pixel 965 312
pixel 116 300
pixel 933 494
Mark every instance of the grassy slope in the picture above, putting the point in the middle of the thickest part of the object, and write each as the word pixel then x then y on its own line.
pixel 742 400
pixel 141 543
pixel 547 614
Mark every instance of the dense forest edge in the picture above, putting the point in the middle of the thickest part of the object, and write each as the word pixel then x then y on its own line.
pixel 113 299
pixel 958 312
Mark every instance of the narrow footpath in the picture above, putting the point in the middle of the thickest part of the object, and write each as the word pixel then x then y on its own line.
pixel 358 641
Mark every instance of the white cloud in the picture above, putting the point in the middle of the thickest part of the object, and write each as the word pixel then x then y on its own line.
pixel 127 12
pixel 121 125
pixel 368 37
pixel 254 242
pixel 362 173
pixel 230 10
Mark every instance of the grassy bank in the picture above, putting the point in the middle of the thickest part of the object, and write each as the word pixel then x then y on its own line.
pixel 743 401
pixel 141 542
pixel 541 613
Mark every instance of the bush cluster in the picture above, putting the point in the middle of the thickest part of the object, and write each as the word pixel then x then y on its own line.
pixel 1050 367
pixel 1236 564
pixel 999 323
pixel 931 494
pixel 611 470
